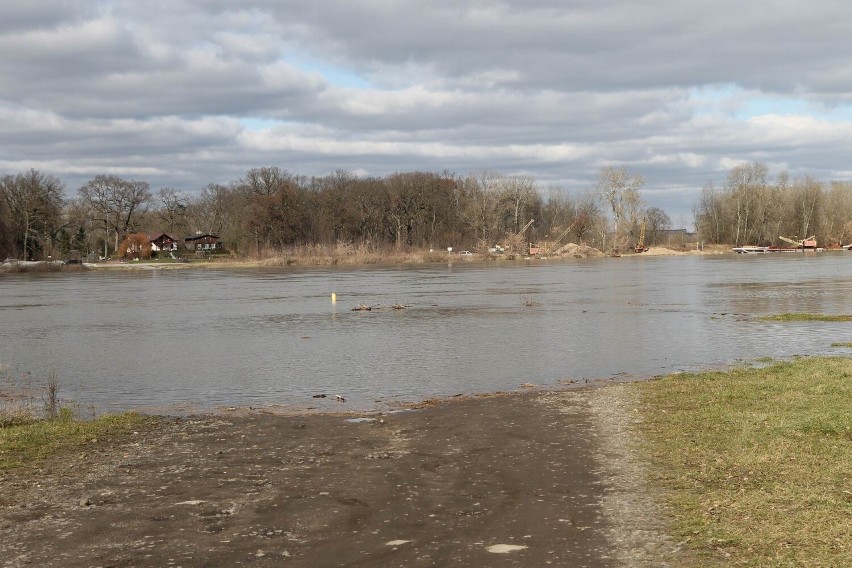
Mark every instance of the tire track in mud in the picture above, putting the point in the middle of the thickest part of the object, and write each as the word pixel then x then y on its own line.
pixel 637 525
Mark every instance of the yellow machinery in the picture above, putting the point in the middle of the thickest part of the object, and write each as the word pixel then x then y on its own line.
pixel 809 242
pixel 640 246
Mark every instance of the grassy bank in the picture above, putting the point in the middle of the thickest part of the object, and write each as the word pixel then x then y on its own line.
pixel 26 443
pixel 796 316
pixel 35 424
pixel 756 463
pixel 37 267
pixel 346 254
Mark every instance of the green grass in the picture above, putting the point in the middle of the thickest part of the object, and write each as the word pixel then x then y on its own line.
pixel 756 463
pixel 808 317
pixel 842 344
pixel 27 442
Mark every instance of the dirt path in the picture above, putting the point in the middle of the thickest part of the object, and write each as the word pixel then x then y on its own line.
pixel 528 479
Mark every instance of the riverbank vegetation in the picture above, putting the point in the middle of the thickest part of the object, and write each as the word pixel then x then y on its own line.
pixel 27 442
pixel 755 462
pixel 35 425
pixel 752 209
pixel 346 254
pixel 270 210
pixel 801 316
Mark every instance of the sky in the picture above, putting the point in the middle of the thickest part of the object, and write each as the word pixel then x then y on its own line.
pixel 183 93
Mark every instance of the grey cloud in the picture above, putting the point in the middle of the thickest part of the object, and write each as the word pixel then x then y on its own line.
pixel 22 15
pixel 552 88
pixel 588 45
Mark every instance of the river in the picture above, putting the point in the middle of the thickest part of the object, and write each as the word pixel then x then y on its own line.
pixel 204 338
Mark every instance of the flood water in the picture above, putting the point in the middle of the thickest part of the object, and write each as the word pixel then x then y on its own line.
pixel 135 339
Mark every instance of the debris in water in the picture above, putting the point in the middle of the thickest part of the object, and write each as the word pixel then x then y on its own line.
pixel 505 548
pixel 397 542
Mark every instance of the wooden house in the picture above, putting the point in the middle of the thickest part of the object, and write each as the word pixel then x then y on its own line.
pixel 163 242
pixel 203 242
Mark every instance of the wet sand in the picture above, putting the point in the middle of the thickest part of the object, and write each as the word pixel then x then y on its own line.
pixel 524 479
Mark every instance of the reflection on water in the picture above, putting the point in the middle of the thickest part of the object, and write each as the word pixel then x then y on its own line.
pixel 262 337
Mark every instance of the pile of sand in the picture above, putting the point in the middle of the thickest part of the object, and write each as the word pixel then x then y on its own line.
pixel 579 251
pixel 663 251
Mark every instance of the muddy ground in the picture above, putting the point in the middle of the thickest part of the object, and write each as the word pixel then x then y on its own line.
pixel 526 479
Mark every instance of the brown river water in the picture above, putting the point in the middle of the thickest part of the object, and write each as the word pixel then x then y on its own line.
pixel 205 338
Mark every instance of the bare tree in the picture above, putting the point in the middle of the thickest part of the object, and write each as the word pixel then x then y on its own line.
pixel 516 193
pixel 809 193
pixel 708 214
pixel 747 184
pixel 836 208
pixel 173 208
pixel 620 190
pixel 479 204
pixel 588 216
pixel 657 221
pixel 269 180
pixel 33 202
pixel 115 203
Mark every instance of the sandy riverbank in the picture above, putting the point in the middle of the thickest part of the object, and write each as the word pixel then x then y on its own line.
pixel 425 258
pixel 523 479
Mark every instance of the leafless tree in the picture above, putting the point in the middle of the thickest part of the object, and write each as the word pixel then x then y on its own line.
pixel 115 203
pixel 657 221
pixel 173 208
pixel 33 204
pixel 516 193
pixel 620 190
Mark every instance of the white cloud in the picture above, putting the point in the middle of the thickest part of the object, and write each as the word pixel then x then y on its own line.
pixel 196 91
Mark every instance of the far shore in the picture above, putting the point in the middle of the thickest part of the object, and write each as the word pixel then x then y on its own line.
pixel 346 256
pixel 350 258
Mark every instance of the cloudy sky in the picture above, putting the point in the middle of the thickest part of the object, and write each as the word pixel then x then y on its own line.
pixel 183 93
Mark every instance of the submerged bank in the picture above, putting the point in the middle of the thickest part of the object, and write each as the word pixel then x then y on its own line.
pixel 745 467
pixel 456 483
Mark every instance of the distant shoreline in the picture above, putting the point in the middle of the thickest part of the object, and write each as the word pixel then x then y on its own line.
pixel 344 258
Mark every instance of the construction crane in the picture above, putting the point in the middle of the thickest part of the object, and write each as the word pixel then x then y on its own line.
pixel 558 240
pixel 809 242
pixel 524 230
pixel 522 233
pixel 517 242
pixel 640 246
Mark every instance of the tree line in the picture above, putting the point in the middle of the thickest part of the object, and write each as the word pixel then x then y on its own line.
pixel 752 209
pixel 270 209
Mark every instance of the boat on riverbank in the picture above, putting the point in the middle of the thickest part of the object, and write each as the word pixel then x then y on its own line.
pixel 761 250
pixel 750 249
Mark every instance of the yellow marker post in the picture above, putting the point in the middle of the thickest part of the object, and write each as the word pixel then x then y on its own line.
pixel 333 298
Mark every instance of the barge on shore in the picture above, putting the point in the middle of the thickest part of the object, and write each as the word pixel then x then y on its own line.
pixel 761 250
